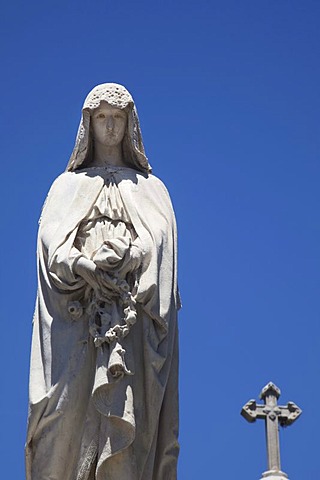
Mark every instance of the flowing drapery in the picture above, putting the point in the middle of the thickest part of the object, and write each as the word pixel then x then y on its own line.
pixel 85 423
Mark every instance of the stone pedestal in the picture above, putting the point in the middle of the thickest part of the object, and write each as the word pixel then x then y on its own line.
pixel 274 475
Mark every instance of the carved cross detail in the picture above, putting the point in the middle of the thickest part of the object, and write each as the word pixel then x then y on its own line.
pixel 274 415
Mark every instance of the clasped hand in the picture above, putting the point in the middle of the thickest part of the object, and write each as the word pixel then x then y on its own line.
pixel 95 277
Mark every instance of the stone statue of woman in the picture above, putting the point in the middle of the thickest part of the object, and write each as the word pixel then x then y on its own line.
pixel 103 375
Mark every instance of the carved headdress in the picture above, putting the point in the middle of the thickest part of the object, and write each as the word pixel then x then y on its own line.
pixel 132 144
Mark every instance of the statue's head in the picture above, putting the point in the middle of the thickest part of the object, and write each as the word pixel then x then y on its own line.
pixel 115 98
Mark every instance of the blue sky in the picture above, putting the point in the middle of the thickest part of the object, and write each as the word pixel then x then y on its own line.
pixel 228 98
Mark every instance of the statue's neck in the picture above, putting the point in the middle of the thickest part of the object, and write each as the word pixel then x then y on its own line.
pixel 107 155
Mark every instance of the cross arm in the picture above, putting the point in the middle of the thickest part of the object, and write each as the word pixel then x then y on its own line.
pixel 289 414
pixel 251 411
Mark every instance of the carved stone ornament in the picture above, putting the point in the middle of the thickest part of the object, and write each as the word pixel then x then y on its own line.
pixel 273 415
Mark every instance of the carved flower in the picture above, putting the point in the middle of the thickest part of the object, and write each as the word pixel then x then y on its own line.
pixel 75 309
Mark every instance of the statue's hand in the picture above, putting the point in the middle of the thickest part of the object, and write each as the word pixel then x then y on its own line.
pixel 119 256
pixel 132 260
pixel 112 253
pixel 95 277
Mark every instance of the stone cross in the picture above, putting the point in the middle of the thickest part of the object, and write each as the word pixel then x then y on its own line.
pixel 273 415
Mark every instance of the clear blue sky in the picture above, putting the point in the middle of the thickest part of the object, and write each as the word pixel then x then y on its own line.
pixel 228 97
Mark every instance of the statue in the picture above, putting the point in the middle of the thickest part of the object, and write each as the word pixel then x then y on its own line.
pixel 103 374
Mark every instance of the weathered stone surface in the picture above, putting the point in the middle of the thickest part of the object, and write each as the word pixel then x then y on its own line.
pixel 103 378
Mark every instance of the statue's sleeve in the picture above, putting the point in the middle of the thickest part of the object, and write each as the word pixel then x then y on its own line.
pixel 151 211
pixel 57 232
pixel 62 267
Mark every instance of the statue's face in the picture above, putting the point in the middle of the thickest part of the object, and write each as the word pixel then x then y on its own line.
pixel 108 124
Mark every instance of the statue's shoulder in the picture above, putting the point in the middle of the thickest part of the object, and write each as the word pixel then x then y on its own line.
pixel 61 190
pixel 66 179
pixel 60 182
pixel 158 184
pixel 67 183
pixel 154 188
pixel 152 180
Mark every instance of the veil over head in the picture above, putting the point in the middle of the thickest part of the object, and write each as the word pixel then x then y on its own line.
pixel 132 144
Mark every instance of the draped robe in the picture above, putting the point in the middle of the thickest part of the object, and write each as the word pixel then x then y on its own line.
pixel 84 422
